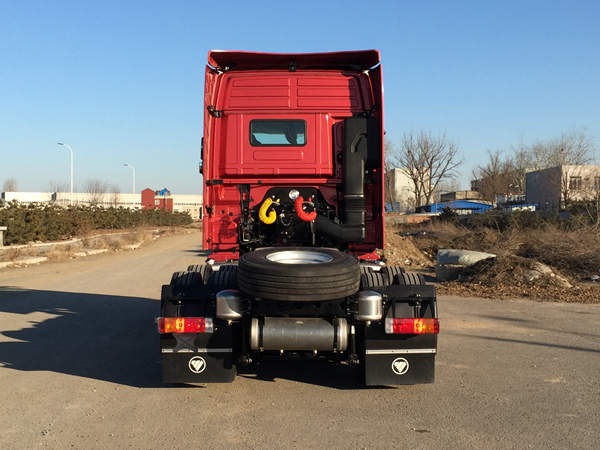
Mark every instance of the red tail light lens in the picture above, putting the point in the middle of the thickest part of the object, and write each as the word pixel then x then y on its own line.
pixel 185 325
pixel 412 326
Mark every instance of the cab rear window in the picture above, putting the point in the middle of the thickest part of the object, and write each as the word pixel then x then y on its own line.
pixel 277 132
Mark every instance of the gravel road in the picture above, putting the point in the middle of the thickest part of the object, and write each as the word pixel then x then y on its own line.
pixel 79 367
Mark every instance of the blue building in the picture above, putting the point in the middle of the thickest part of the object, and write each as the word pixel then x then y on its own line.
pixel 463 207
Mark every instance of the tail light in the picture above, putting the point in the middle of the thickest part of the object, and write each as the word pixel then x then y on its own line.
pixel 412 326
pixel 185 325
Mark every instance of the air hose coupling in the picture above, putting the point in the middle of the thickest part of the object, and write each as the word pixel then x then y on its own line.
pixel 269 218
pixel 305 216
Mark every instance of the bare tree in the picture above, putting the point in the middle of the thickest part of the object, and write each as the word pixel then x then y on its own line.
pixel 522 163
pixel 116 193
pixel 427 160
pixel 96 188
pixel 389 178
pixel 450 185
pixel 57 186
pixel 570 148
pixel 497 176
pixel 10 185
pixel 593 206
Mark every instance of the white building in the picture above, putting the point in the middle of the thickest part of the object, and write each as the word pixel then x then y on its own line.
pixel 189 203
pixel 106 200
pixel 28 197
pixel 402 193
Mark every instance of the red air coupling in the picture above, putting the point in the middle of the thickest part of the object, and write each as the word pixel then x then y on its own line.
pixel 299 205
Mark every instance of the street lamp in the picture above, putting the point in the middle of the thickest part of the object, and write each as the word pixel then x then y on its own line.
pixel 71 152
pixel 133 173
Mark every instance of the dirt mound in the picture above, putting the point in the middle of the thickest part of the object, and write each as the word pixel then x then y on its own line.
pixel 578 294
pixel 401 251
pixel 513 270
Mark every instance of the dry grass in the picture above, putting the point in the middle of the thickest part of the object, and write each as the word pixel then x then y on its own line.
pixel 112 241
pixel 576 253
pixel 572 254
pixel 584 293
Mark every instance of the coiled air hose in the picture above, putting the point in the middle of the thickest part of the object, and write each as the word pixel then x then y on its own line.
pixel 265 218
pixel 305 216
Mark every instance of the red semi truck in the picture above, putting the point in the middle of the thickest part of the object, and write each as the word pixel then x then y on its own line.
pixel 293 216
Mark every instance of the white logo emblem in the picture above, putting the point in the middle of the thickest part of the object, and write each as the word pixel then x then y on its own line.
pixel 197 364
pixel 400 366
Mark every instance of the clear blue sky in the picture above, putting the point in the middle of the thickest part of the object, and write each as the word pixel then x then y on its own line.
pixel 122 81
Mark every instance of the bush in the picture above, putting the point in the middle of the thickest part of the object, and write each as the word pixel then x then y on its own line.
pixel 35 222
pixel 517 220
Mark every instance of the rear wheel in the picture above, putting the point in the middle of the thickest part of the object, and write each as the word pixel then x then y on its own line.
pixel 167 307
pixel 372 279
pixel 392 272
pixel 224 278
pixel 203 269
pixel 409 279
pixel 183 282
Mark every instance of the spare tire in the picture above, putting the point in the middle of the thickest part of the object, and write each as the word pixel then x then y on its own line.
pixel 302 274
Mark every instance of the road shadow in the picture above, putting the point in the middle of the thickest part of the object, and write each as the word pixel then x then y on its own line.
pixel 113 338
pixel 504 318
pixel 105 337
pixel 430 278
pixel 521 341
pixel 316 372
pixel 198 252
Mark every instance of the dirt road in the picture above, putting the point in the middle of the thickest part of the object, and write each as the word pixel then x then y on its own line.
pixel 79 367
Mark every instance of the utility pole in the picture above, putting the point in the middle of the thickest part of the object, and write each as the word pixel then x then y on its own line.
pixel 71 153
pixel 133 173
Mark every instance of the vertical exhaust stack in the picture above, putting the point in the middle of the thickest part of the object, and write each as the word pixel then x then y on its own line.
pixel 355 156
pixel 361 152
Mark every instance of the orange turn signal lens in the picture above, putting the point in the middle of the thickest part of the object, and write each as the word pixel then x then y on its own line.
pixel 185 325
pixel 412 326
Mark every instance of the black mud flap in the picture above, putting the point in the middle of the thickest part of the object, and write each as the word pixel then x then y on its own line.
pixel 198 357
pixel 198 367
pixel 392 359
pixel 390 368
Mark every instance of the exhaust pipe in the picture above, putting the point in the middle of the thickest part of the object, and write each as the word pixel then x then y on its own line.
pixel 352 228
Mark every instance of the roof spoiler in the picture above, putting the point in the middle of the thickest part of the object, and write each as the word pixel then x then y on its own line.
pixel 225 60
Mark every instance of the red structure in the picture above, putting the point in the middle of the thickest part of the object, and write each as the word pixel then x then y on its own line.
pixel 293 121
pixel 157 199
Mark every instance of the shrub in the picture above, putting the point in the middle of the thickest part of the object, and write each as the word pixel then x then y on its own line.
pixel 35 222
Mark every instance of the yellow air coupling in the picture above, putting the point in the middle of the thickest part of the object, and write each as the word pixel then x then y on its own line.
pixel 265 218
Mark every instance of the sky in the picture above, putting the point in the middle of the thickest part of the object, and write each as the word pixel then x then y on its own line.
pixel 122 81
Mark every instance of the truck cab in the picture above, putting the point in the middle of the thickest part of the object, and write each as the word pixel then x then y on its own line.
pixel 293 228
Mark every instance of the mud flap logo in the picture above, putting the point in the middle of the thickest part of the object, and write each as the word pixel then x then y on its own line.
pixel 197 364
pixel 400 366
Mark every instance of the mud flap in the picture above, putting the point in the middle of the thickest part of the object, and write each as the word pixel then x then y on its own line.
pixel 198 367
pixel 384 368
pixel 198 357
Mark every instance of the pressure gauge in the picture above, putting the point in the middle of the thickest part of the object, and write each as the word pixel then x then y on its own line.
pixel 294 194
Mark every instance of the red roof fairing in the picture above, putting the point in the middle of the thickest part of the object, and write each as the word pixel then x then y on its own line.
pixel 359 59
